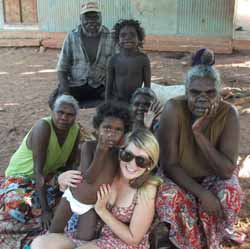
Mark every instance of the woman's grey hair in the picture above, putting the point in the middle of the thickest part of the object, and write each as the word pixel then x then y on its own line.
pixel 203 71
pixel 144 91
pixel 66 99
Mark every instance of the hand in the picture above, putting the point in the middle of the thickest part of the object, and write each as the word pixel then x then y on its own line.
pixel 46 219
pixel 70 178
pixel 211 204
pixel 202 121
pixel 213 109
pixel 103 196
pixel 153 112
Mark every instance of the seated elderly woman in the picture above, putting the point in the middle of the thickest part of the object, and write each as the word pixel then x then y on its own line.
pixel 51 145
pixel 126 207
pixel 199 139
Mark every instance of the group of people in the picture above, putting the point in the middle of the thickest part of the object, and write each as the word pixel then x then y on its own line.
pixel 151 170
pixel 96 64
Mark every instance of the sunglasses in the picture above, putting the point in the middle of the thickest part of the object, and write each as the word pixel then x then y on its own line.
pixel 127 156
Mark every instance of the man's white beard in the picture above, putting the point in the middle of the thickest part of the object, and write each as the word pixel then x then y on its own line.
pixel 89 34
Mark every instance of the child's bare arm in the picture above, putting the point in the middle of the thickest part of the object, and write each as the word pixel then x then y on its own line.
pixel 87 150
pixel 110 80
pixel 72 161
pixel 147 72
pixel 93 157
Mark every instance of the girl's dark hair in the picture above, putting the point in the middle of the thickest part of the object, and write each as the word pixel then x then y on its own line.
pixel 129 22
pixel 114 109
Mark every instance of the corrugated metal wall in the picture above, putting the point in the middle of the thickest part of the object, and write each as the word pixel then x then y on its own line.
pixel 160 17
pixel 63 15
pixel 114 10
pixel 201 17
pixel 1 14
pixel 57 15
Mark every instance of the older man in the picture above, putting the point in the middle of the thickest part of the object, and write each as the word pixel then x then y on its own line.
pixel 82 64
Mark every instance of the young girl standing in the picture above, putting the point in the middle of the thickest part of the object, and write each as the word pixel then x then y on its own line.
pixel 129 69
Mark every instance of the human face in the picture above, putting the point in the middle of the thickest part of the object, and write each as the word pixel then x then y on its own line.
pixel 64 117
pixel 113 129
pixel 130 170
pixel 201 95
pixel 128 37
pixel 91 22
pixel 140 105
pixel 128 156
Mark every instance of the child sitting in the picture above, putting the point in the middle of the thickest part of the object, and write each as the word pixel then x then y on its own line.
pixel 129 69
pixel 99 164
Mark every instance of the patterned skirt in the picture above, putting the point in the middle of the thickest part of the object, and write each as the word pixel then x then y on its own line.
pixel 190 226
pixel 18 196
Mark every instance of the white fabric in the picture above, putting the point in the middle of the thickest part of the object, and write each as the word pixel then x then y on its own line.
pixel 76 206
pixel 164 93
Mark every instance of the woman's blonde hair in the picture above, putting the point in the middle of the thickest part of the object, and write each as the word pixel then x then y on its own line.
pixel 144 140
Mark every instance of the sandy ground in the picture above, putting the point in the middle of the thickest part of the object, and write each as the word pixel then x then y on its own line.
pixel 27 76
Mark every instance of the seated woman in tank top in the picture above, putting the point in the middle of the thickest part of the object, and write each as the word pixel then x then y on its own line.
pixel 49 147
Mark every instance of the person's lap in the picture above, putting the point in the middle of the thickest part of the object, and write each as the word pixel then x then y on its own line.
pixel 20 217
pixel 19 195
pixel 86 95
pixel 65 240
pixel 89 245
pixel 86 92
pixel 189 222
pixel 53 241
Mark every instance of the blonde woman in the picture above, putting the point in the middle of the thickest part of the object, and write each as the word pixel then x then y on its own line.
pixel 126 207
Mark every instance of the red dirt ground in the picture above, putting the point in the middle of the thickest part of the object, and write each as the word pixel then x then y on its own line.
pixel 28 76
